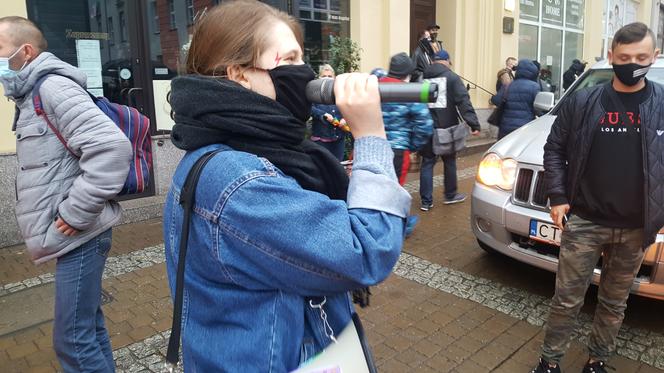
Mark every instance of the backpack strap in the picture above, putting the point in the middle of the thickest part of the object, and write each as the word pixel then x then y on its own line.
pixel 39 110
pixel 187 200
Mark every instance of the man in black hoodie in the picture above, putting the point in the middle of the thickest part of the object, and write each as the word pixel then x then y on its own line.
pixel 458 104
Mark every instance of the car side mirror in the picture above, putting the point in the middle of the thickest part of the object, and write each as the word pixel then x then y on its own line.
pixel 544 102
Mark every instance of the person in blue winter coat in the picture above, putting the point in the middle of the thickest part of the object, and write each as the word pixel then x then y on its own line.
pixel 323 131
pixel 408 125
pixel 519 97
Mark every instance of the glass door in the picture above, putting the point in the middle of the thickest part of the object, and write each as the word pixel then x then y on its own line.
pixel 104 38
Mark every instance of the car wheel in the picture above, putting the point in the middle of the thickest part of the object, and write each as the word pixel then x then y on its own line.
pixel 487 248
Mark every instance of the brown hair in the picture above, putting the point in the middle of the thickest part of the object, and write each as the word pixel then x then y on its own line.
pixel 234 33
pixel 24 31
pixel 632 33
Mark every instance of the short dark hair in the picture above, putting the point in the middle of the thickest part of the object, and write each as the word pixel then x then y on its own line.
pixel 24 31
pixel 632 33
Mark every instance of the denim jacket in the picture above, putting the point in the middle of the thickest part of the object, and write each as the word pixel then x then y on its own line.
pixel 263 251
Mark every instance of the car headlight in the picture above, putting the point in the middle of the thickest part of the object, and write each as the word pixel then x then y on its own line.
pixel 495 171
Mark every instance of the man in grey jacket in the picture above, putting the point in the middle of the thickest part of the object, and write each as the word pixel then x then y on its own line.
pixel 63 202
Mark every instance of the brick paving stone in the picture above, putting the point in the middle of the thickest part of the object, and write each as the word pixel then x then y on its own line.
pixel 469 366
pixel 16 266
pixel 21 350
pixel 487 359
pixel 394 366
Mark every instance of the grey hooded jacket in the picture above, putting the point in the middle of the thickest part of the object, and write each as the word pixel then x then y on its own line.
pixel 50 182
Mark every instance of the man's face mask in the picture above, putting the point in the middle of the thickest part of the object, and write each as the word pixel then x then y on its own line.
pixel 630 74
pixel 290 85
pixel 6 71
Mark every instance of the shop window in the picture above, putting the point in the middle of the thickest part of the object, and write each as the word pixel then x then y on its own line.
pixel 171 10
pixel 322 21
pixel 529 10
pixel 551 54
pixel 552 12
pixel 574 12
pixel 551 31
pixel 111 32
pixel 573 48
pixel 123 26
pixel 528 38
pixel 155 17
pixel 190 12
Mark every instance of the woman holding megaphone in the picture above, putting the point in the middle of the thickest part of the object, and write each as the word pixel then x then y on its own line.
pixel 278 234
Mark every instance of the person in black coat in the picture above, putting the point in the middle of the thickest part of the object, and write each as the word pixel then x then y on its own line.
pixel 574 71
pixel 458 104
pixel 422 56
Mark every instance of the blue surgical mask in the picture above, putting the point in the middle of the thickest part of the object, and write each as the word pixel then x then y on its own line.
pixel 6 71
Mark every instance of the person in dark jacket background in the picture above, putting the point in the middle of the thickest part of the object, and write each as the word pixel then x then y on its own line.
pixel 574 71
pixel 323 131
pixel 422 55
pixel 458 103
pixel 519 98
pixel 603 176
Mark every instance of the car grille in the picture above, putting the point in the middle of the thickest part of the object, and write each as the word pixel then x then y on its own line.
pixel 522 186
pixel 529 188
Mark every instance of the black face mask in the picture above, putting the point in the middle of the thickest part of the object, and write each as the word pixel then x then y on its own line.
pixel 434 36
pixel 290 85
pixel 630 73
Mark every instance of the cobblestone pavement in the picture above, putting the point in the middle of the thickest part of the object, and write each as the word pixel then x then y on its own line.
pixel 448 307
pixel 115 266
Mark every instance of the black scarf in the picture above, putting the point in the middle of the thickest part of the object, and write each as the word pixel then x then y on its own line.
pixel 213 111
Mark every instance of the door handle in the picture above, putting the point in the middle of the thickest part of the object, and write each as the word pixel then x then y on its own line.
pixel 131 98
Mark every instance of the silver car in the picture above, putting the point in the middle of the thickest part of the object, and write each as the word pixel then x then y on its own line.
pixel 509 212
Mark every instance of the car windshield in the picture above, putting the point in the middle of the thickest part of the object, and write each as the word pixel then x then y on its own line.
pixel 601 76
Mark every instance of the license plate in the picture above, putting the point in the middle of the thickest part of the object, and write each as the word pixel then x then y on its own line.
pixel 545 232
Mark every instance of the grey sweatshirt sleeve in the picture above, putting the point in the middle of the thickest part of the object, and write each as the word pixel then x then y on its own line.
pixel 103 149
pixel 373 184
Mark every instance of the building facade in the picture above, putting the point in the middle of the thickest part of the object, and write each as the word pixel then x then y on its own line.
pixel 131 49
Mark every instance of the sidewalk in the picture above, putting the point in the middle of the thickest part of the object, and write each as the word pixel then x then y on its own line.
pixel 429 316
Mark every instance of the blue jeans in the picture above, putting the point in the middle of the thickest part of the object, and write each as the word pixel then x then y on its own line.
pixel 80 338
pixel 335 147
pixel 426 177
